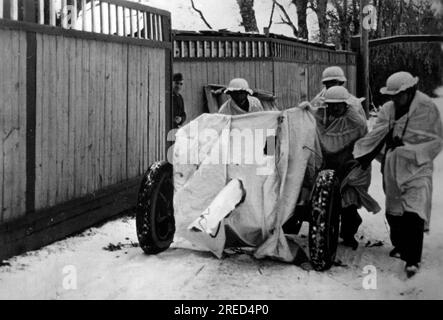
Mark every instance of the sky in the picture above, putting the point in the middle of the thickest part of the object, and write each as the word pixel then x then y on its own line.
pixel 226 15
pixel 221 14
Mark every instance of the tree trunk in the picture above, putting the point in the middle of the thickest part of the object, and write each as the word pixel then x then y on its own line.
pixel 302 6
pixel 248 15
pixel 322 21
pixel 345 27
pixel 356 16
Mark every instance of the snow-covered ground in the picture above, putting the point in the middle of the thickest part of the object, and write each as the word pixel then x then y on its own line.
pixel 80 268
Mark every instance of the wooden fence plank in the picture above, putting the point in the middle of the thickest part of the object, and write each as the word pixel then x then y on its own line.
pixel 65 180
pixel 108 116
pixel 144 116
pixel 93 121
pixel 3 57
pixel 20 205
pixel 162 104
pixel 38 121
pixel 72 110
pixel 52 123
pixel 153 108
pixel 142 101
pixel 132 113
pixel 59 123
pixel 43 200
pixel 84 149
pixel 101 79
pixel 6 124
pixel 76 109
pixel 121 113
pixel 113 177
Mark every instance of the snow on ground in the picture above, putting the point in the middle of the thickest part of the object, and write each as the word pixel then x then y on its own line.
pixel 124 272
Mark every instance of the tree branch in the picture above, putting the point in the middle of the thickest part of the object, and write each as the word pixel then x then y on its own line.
pixel 201 14
pixel 272 15
pixel 288 20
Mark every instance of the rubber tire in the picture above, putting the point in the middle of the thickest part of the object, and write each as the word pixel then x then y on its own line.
pixel 324 221
pixel 151 206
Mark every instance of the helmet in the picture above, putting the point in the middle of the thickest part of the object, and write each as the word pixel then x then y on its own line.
pixel 333 73
pixel 399 82
pixel 239 84
pixel 337 94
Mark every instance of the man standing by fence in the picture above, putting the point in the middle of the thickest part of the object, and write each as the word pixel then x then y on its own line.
pixel 178 105
pixel 406 138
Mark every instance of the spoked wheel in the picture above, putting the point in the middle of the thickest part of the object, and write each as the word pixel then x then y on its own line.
pixel 155 212
pixel 325 220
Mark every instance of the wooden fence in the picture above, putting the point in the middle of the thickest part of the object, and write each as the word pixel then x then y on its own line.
pixel 82 115
pixel 288 68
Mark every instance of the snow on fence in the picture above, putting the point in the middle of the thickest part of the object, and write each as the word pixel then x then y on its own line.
pixel 291 69
pixel 83 115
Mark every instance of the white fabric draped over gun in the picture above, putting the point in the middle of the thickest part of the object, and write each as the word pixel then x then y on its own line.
pixel 271 196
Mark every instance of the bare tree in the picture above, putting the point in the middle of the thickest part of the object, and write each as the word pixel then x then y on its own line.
pixel 319 7
pixel 201 14
pixel 417 18
pixel 249 22
pixel 344 19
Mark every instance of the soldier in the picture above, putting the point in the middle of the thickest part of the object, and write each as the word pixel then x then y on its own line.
pixel 339 126
pixel 241 100
pixel 334 76
pixel 406 138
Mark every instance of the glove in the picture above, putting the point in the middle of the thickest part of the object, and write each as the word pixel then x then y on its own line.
pixel 305 105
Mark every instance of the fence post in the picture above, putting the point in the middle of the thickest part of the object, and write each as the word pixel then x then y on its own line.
pixel 167 37
pixel 31 88
pixel 364 53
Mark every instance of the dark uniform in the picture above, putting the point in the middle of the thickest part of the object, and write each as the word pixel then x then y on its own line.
pixel 178 109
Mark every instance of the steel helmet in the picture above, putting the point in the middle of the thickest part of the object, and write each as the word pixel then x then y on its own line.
pixel 239 84
pixel 333 73
pixel 399 82
pixel 337 94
